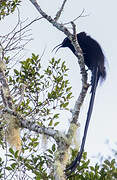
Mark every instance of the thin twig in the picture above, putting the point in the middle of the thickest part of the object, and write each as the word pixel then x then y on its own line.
pixel 49 19
pixel 19 31
pixel 81 15
pixel 58 14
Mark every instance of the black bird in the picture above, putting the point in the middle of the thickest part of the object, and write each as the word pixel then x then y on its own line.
pixel 94 60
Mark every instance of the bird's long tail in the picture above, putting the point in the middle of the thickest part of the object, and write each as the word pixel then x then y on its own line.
pixel 75 163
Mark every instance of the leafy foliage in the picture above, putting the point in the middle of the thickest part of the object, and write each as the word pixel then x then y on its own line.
pixel 7 7
pixel 44 91
pixel 39 167
pixel 39 94
pixel 106 171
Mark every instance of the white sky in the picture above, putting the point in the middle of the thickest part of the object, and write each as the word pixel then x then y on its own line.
pixel 101 23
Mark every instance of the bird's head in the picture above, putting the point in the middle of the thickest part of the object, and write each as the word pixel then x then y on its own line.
pixel 66 42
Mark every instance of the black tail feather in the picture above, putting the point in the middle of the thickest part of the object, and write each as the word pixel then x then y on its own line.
pixel 75 163
pixel 94 79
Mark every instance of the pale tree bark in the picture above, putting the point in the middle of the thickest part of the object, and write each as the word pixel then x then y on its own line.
pixel 12 132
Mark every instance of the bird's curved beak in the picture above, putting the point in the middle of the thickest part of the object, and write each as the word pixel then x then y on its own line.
pixel 59 46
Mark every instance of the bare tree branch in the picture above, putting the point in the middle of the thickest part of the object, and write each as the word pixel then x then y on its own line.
pixel 17 39
pixel 81 15
pixel 52 21
pixel 13 133
pixel 32 126
pixel 7 100
pixel 58 14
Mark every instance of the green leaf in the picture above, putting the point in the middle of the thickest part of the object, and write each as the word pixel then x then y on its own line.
pixel 92 168
pixel 56 116
pixel 50 123
pixel 56 123
pixel 53 148
pixel 16 71
pixel 65 105
pixel 16 154
pixel 68 89
pixel 8 168
pixel 51 152
pixel 38 178
pixel 13 165
pixel 11 151
pixel 69 95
